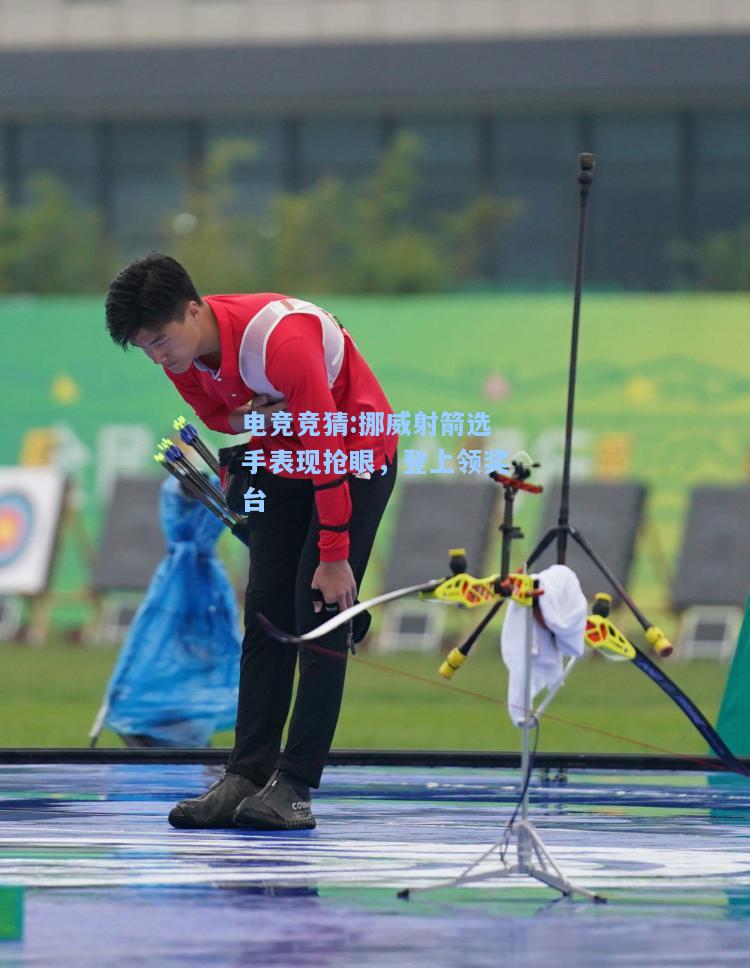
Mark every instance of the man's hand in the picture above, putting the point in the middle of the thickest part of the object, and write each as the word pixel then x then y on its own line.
pixel 336 581
pixel 260 404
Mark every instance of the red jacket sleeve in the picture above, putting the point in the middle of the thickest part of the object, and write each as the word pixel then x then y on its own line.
pixel 295 365
pixel 213 413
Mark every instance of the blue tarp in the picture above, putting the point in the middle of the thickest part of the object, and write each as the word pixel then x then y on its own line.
pixel 177 673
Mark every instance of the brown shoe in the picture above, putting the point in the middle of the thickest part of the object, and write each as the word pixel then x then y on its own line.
pixel 216 806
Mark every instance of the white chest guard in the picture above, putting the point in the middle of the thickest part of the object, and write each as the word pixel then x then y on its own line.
pixel 252 356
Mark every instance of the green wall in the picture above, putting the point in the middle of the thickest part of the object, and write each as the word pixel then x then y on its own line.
pixel 670 373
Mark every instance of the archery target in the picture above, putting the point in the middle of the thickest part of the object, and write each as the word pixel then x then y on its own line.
pixel 31 503
pixel 16 514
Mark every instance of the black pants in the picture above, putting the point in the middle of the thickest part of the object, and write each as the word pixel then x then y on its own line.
pixel 283 558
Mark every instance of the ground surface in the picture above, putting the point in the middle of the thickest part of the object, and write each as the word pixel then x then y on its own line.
pixel 87 856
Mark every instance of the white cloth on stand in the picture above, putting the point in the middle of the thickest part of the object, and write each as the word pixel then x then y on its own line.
pixel 564 608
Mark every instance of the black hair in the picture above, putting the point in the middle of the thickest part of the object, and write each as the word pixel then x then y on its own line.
pixel 147 294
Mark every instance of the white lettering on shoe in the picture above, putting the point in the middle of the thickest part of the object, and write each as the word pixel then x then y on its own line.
pixel 301 805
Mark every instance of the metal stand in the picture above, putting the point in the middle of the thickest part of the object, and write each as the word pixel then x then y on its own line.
pixel 532 857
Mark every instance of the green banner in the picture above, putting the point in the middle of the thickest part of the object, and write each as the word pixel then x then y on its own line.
pixel 11 913
pixel 734 713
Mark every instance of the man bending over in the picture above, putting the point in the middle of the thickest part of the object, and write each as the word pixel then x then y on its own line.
pixel 326 475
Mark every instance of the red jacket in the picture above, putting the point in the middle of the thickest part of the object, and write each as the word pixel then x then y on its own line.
pixel 295 365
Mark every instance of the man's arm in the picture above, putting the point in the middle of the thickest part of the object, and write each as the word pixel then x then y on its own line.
pixel 211 412
pixel 295 365
pixel 215 414
pixel 259 404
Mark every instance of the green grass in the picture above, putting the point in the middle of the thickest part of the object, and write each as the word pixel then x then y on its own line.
pixel 49 697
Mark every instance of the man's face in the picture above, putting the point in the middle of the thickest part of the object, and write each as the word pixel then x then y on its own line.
pixel 175 345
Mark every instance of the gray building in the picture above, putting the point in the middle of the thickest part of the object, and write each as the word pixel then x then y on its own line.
pixel 122 97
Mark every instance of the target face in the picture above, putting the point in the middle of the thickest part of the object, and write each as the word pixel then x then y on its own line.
pixel 31 505
pixel 16 522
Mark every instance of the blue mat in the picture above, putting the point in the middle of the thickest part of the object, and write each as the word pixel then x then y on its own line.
pixel 107 881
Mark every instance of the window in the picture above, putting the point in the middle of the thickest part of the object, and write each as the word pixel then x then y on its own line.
pixel 261 175
pixel 449 160
pixel 535 163
pixel 346 149
pixel 150 161
pixel 636 201
pixel 66 149
pixel 722 163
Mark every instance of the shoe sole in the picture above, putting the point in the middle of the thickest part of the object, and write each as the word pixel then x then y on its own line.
pixel 263 822
pixel 183 822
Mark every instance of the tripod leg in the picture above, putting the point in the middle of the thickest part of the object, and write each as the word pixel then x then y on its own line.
pixel 480 627
pixel 608 574
pixel 661 644
pixel 550 874
pixel 544 543
pixel 98 724
pixel 563 885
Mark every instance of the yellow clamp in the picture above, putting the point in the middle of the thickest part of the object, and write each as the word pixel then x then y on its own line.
pixel 463 589
pixel 659 642
pixel 523 586
pixel 453 661
pixel 603 635
pixel 469 591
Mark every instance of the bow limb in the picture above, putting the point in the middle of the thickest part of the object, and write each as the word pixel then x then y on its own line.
pixel 602 635
pixel 692 712
pixel 349 613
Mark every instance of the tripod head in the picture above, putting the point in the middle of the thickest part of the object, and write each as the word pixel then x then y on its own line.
pixel 586 165
pixel 522 466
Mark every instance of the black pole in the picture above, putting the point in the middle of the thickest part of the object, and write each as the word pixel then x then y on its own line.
pixel 585 176
pixel 509 532
pixel 560 533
